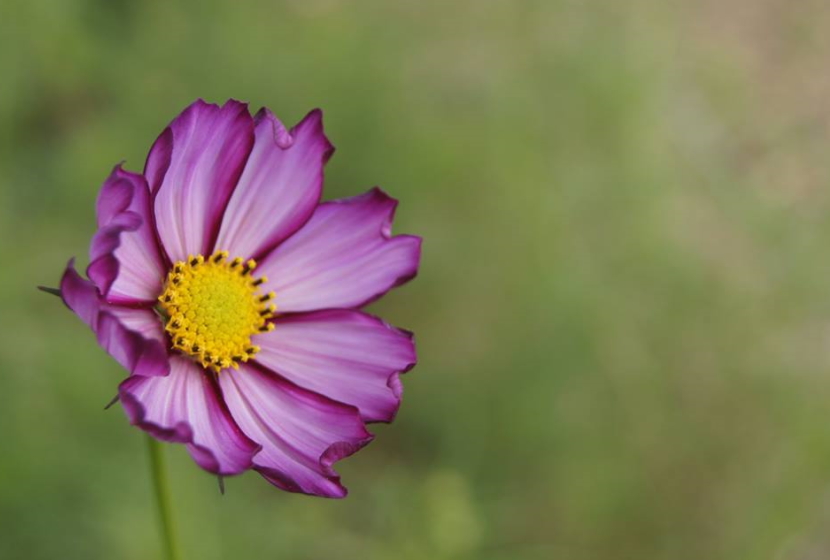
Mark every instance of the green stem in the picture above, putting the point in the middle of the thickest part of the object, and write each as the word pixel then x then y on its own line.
pixel 162 487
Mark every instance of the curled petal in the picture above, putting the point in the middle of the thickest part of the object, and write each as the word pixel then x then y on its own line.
pixel 343 257
pixel 185 407
pixel 125 263
pixel 134 337
pixel 217 179
pixel 280 186
pixel 345 355
pixel 302 433
pixel 192 170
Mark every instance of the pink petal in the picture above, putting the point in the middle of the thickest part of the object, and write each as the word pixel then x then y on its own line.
pixel 125 263
pixel 185 407
pixel 134 337
pixel 343 257
pixel 279 188
pixel 345 355
pixel 193 168
pixel 143 321
pixel 301 433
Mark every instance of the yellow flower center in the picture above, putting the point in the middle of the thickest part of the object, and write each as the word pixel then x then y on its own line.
pixel 213 308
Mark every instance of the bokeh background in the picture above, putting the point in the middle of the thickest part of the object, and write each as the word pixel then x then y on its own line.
pixel 623 311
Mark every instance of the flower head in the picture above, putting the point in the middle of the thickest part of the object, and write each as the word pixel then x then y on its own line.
pixel 232 296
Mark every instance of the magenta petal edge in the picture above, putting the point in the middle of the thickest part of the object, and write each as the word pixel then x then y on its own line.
pixel 232 296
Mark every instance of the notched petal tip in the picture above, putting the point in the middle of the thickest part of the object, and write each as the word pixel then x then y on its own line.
pixel 201 105
pixel 337 452
pixel 237 104
pixel 334 489
pixel 346 355
pixel 309 129
pixel 340 450
pixel 414 243
pixel 303 433
pixel 279 188
pixel 344 257
pixel 384 202
pixel 312 125
pixel 394 381
pixel 282 136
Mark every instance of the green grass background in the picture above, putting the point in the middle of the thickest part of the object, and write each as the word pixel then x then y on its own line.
pixel 622 314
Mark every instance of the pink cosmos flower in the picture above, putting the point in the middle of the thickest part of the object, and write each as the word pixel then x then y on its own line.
pixel 232 296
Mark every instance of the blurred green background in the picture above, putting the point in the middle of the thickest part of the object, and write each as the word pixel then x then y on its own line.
pixel 623 311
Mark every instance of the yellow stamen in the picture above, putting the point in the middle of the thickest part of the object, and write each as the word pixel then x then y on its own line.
pixel 214 307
